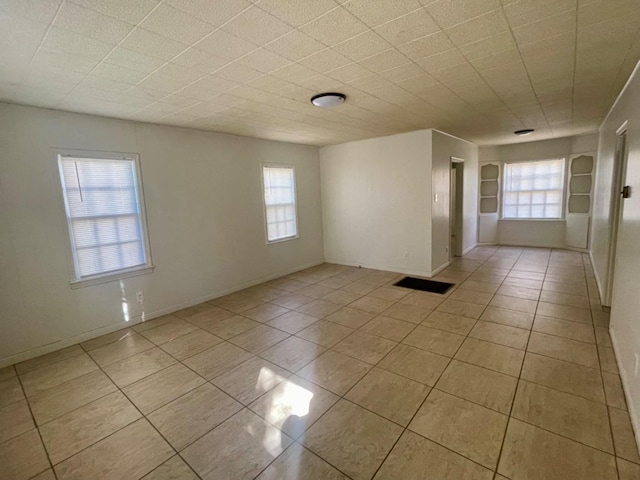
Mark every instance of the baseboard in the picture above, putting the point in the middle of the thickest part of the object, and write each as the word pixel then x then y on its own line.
pixel 625 388
pixel 464 252
pixel 385 268
pixel 440 268
pixel 598 282
pixel 83 337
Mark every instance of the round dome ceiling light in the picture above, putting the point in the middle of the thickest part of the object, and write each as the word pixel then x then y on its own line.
pixel 526 131
pixel 328 100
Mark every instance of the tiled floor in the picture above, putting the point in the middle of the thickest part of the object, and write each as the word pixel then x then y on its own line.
pixel 334 373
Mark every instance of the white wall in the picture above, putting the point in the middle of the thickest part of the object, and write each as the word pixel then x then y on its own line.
pixel 376 202
pixel 625 305
pixel 532 232
pixel 444 147
pixel 205 218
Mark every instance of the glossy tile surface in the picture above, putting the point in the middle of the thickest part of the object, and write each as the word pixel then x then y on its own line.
pixel 333 372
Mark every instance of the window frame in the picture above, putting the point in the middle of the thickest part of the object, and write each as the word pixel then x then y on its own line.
pixel 75 280
pixel 563 183
pixel 264 202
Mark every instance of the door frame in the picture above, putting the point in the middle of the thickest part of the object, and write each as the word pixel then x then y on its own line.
pixel 457 166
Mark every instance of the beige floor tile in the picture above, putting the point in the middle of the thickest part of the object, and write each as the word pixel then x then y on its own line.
pixel 600 318
pixel 126 346
pixel 292 322
pixel 523 282
pixel 57 373
pixel 319 308
pixel 485 387
pixel 250 380
pixel 623 438
pixel 390 293
pixel 564 376
pixel 129 453
pixel 173 469
pixel 294 405
pixel 513 303
pixel 365 347
pixel 519 292
pixel 169 331
pixel 464 427
pixel 389 328
pixel 341 297
pixel 153 323
pixel 15 419
pixel 479 286
pixel 415 363
pixel 238 448
pixel 132 369
pixel 264 293
pixel 231 327
pixel 293 300
pixel 7 372
pixel 217 360
pixel 502 334
pixel 237 302
pixel 293 353
pixel 508 317
pixel 334 282
pixel 189 417
pixel 353 439
pixel 564 328
pixel 449 322
pixel 266 312
pixel 464 309
pixel 207 318
pixel 359 288
pixel 190 344
pixel 564 312
pixel 48 359
pixel 565 349
pixel 608 361
pixel 371 304
pixel 259 338
pixel 492 356
pixel 158 389
pixel 572 279
pixel 414 456
pixel 408 313
pixel 350 317
pixel 316 291
pixel 335 372
pixel 574 417
pixel 423 300
pixel 527 275
pixel 46 475
pixel 286 284
pixel 195 310
pixel 389 395
pixel 563 299
pixel 298 463
pixel 628 470
pixel 613 391
pixel 325 333
pixel 602 337
pixel 471 296
pixel 567 288
pixel 23 457
pixel 530 453
pixel 106 339
pixel 76 430
pixel 10 391
pixel 434 340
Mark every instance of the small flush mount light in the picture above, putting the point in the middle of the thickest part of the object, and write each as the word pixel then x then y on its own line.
pixel 328 100
pixel 526 131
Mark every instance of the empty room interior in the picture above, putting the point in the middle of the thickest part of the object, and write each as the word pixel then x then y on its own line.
pixel 319 239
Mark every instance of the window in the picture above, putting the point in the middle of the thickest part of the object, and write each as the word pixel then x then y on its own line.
pixel 533 189
pixel 105 216
pixel 280 202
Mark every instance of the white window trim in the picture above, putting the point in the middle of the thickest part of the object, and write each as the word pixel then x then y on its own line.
pixel 264 203
pixel 503 185
pixel 86 281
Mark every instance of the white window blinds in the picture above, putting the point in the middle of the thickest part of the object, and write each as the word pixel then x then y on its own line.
pixel 102 201
pixel 280 202
pixel 533 189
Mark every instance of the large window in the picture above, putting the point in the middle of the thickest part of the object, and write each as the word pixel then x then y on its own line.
pixel 280 202
pixel 105 216
pixel 533 189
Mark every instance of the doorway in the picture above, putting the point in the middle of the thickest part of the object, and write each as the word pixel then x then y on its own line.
pixel 456 190
pixel 619 177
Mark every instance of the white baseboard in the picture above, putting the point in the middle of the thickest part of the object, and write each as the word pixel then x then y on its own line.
pixel 385 268
pixel 625 388
pixel 440 268
pixel 464 252
pixel 598 282
pixel 83 337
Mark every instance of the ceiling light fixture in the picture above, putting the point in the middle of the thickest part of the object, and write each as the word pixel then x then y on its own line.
pixel 328 100
pixel 526 131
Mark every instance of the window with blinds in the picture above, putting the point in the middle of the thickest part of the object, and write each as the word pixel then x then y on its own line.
pixel 280 202
pixel 533 189
pixel 103 204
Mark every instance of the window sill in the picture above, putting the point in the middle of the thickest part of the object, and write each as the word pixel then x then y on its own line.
pixel 282 240
pixel 87 282
pixel 546 220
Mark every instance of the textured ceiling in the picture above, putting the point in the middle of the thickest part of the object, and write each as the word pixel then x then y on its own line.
pixel 478 69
